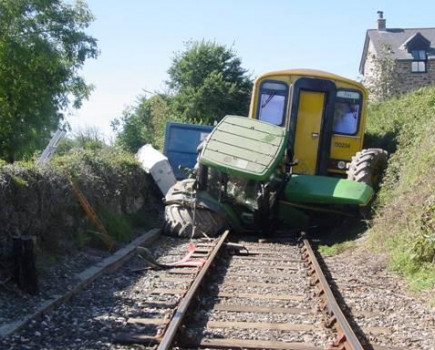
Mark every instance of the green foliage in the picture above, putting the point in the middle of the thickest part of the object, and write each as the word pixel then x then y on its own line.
pixel 117 225
pixel 143 123
pixel 383 80
pixel 209 82
pixel 110 170
pixel 89 139
pixel 403 117
pixel 404 223
pixel 19 181
pixel 335 249
pixel 42 47
pixel 96 165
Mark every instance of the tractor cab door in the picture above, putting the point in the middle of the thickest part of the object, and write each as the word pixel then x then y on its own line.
pixel 310 124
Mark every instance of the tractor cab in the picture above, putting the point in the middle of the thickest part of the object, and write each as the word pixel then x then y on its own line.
pixel 323 113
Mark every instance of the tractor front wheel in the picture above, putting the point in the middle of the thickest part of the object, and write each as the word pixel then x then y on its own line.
pixel 179 222
pixel 368 166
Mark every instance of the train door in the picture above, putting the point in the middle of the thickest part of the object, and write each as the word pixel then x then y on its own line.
pixel 310 124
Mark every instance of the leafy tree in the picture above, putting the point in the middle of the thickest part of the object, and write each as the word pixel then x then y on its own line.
pixel 42 47
pixel 209 83
pixel 88 138
pixel 143 123
pixel 382 82
pixel 206 82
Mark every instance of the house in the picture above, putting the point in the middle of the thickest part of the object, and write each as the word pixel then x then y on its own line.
pixel 406 55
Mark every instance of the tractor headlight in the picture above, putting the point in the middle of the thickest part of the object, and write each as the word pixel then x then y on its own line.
pixel 341 165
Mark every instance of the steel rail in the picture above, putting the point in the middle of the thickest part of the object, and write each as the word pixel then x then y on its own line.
pixel 346 338
pixel 177 319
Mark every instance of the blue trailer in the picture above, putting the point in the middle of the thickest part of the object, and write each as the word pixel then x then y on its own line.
pixel 181 141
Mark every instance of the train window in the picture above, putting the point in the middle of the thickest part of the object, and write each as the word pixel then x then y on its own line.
pixel 272 102
pixel 347 112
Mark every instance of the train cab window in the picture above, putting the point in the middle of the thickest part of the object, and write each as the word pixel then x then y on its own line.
pixel 347 112
pixel 272 102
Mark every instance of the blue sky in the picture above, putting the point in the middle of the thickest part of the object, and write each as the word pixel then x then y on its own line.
pixel 138 38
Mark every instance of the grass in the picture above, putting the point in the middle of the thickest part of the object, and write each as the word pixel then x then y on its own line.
pixel 404 224
pixel 337 248
pixel 117 225
pixel 341 237
pixel 19 181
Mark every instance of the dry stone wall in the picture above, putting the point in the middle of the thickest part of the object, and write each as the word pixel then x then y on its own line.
pixel 411 81
pixel 39 201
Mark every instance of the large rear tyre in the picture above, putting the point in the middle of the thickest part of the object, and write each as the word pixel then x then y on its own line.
pixel 368 166
pixel 179 222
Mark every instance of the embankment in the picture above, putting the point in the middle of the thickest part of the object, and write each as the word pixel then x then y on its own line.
pixel 404 224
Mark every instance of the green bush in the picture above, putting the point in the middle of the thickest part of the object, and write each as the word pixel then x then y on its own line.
pixel 404 223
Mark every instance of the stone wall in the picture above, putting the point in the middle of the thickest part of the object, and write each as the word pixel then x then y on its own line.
pixel 369 65
pixel 39 201
pixel 410 81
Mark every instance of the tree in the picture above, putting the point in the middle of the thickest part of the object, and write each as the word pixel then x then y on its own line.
pixel 206 83
pixel 382 82
pixel 42 47
pixel 209 83
pixel 143 123
pixel 88 138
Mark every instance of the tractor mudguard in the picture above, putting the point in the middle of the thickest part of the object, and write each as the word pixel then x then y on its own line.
pixel 316 189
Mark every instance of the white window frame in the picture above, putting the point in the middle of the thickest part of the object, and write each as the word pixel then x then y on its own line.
pixel 419 63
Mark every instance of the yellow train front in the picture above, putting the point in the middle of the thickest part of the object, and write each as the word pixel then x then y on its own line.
pixel 324 114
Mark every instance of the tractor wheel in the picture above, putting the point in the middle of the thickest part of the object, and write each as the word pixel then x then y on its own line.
pixel 179 222
pixel 368 166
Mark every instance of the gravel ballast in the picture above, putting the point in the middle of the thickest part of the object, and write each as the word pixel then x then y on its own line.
pixel 92 318
pixel 377 300
pixel 380 302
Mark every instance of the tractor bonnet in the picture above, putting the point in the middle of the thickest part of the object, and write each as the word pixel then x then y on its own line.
pixel 245 147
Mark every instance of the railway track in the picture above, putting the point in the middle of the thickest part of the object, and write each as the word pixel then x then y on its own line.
pixel 270 297
pixel 246 296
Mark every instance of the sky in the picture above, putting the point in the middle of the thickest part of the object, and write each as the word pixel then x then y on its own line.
pixel 137 40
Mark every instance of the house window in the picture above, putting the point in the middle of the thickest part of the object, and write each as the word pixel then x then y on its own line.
pixel 418 64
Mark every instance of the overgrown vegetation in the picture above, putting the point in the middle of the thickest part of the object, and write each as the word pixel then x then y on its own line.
pixel 404 224
pixel 330 250
pixel 209 82
pixel 89 138
pixel 143 123
pixel 39 200
pixel 383 80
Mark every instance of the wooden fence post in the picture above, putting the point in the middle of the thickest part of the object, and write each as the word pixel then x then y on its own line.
pixel 24 264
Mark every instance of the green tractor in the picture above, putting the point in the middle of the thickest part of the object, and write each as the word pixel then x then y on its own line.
pixel 296 161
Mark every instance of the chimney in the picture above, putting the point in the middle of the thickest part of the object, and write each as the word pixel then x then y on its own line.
pixel 382 22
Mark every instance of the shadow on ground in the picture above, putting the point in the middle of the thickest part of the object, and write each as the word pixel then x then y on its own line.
pixel 348 230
